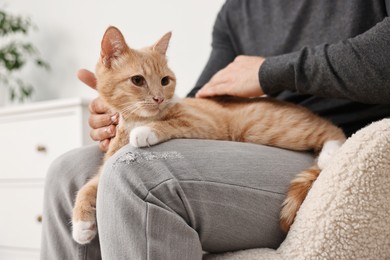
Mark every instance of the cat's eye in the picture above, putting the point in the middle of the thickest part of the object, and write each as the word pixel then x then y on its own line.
pixel 138 80
pixel 165 81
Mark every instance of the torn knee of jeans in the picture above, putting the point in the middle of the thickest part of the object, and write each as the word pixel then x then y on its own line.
pixel 145 156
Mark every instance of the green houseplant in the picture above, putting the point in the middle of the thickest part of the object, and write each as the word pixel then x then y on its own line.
pixel 15 53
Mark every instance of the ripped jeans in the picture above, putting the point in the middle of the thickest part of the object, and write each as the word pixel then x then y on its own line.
pixel 172 201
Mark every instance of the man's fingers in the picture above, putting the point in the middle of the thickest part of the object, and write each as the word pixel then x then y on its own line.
pixel 87 77
pixel 103 133
pixel 220 77
pixel 103 145
pixel 97 106
pixel 102 120
pixel 204 92
pixel 212 90
pixel 217 84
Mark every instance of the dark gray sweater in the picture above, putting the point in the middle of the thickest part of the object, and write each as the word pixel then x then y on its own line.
pixel 330 56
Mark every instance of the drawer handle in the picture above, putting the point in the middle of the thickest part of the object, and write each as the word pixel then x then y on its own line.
pixel 41 148
pixel 39 218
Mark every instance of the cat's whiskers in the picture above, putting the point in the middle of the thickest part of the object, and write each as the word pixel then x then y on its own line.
pixel 142 108
pixel 131 109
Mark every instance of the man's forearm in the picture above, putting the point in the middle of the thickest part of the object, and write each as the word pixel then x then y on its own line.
pixel 357 69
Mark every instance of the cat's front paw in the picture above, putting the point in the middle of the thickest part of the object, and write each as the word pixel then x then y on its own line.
pixel 142 136
pixel 84 231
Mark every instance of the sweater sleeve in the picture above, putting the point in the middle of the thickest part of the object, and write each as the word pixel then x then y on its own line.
pixel 222 52
pixel 357 69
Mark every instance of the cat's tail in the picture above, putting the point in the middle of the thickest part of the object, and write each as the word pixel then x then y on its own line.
pixel 299 187
pixel 301 184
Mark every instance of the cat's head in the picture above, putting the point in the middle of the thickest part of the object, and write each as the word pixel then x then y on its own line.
pixel 135 83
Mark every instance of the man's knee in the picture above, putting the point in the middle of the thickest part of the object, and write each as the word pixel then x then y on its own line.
pixel 137 170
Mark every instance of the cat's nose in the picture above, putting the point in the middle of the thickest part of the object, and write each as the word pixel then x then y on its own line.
pixel 158 99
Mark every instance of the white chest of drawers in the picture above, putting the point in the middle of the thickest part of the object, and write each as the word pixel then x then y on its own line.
pixel 31 137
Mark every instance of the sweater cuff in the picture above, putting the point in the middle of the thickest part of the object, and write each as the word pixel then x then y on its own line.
pixel 277 73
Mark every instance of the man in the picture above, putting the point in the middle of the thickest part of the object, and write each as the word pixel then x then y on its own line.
pixel 332 57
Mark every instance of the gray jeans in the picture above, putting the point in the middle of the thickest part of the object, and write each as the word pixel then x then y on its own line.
pixel 173 200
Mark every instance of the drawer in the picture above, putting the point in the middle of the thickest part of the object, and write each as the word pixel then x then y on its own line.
pixel 21 204
pixel 34 142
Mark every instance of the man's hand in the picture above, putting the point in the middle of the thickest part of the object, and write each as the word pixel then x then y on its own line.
pixel 102 121
pixel 240 78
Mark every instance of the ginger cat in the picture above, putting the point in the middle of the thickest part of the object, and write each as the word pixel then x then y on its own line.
pixel 139 85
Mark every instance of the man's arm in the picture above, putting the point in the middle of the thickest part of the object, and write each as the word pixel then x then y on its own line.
pixel 357 69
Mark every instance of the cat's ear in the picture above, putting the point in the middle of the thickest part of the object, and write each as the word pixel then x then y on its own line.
pixel 113 45
pixel 162 45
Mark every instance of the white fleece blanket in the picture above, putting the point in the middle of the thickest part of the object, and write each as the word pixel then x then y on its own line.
pixel 346 215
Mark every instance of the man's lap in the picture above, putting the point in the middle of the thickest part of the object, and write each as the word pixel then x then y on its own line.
pixel 231 191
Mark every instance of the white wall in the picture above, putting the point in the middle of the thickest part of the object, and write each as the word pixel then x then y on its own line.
pixel 70 31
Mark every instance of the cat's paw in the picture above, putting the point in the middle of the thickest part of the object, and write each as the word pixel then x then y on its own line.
pixel 142 136
pixel 84 231
pixel 327 152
